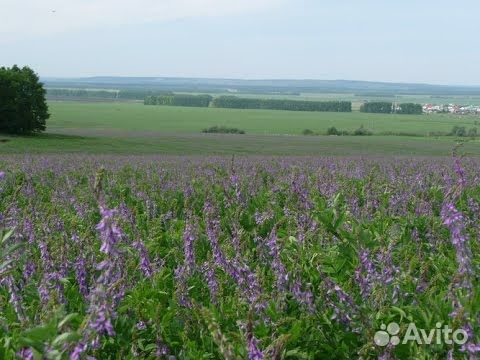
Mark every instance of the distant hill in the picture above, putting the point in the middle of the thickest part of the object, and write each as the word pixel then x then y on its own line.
pixel 258 86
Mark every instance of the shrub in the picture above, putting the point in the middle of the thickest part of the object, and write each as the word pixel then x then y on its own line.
pixel 222 130
pixel 361 131
pixel 308 132
pixel 179 100
pixel 438 133
pixel 332 131
pixel 472 132
pixel 401 133
pixel 458 131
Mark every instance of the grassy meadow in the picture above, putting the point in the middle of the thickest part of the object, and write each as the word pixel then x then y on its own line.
pixel 133 128
pixel 77 117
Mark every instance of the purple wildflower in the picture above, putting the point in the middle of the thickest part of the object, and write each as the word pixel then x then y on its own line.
pixel 240 272
pixel 304 297
pixel 181 288
pixel 277 265
pixel 470 347
pixel 81 274
pixel 145 264
pixel 45 257
pixel 43 292
pixel 455 222
pixel 262 218
pixel 213 230
pixel 162 349
pixel 236 185
pixel 28 270
pixel 101 323
pixel 461 180
pixel 189 237
pixel 365 274
pixel 109 232
pixel 212 282
pixel 15 298
pixel 79 349
pixel 254 353
pixel 104 297
pixel 141 325
pixel 344 301
pixel 247 281
pixel 2 175
pixel 29 231
pixel 25 354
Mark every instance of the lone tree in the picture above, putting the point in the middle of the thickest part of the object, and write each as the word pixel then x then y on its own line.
pixel 23 108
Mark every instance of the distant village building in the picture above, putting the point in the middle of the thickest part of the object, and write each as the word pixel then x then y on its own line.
pixel 452 109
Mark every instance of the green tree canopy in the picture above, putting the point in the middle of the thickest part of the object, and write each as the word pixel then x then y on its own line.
pixel 23 108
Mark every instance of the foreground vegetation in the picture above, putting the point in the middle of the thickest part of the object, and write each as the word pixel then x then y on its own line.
pixel 247 258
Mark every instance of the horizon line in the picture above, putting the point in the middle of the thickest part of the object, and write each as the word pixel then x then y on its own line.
pixel 256 79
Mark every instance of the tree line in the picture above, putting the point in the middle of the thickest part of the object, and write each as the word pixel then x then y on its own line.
pixel 385 107
pixel 234 102
pixel 179 100
pixel 410 108
pixel 123 94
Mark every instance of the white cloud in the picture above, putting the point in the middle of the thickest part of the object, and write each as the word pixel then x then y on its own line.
pixel 20 19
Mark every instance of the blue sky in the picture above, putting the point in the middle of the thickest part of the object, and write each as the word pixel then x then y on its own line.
pixel 403 41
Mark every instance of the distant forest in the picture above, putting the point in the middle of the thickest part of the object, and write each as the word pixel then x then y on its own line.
pixel 383 107
pixel 98 94
pixel 234 102
pixel 272 87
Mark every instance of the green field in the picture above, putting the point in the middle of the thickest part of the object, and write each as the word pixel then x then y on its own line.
pixel 88 118
pixel 132 128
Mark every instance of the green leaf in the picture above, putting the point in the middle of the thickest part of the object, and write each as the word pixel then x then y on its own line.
pixel 296 354
pixel 7 235
pixel 41 333
pixel 67 319
pixel 402 313
pixel 65 338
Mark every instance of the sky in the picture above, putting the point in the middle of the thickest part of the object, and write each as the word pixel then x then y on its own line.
pixel 420 41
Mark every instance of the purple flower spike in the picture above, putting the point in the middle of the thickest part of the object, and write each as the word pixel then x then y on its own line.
pixel 78 350
pixel 141 325
pixel 81 274
pixel 109 232
pixel 25 353
pixel 145 264
pixel 189 237
pixel 254 353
